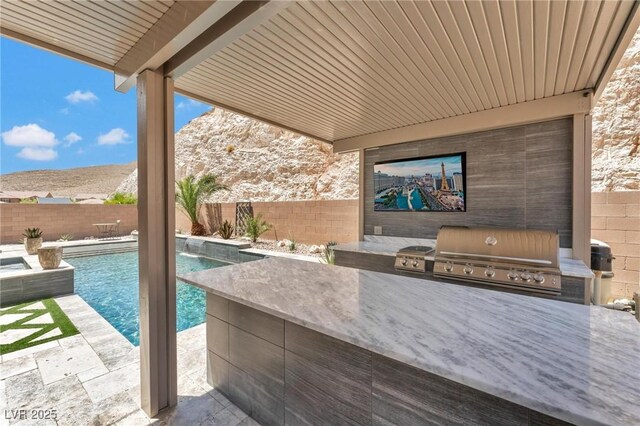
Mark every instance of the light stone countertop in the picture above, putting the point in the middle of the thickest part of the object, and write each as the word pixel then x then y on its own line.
pixel 573 362
pixel 388 246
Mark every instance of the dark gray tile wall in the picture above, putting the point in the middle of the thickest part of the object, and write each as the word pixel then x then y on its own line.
pixel 255 397
pixel 319 380
pixel 258 323
pixel 29 287
pixel 517 177
pixel 262 360
pixel 217 372
pixel 218 307
pixel 241 364
pixel 575 290
pixel 539 419
pixel 409 396
pixel 218 337
pixel 368 261
pixel 212 249
pixel 327 381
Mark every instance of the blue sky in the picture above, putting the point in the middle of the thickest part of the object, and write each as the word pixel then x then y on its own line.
pixel 57 113
pixel 453 164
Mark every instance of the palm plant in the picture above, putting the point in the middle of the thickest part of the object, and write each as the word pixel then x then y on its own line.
pixel 191 193
pixel 256 226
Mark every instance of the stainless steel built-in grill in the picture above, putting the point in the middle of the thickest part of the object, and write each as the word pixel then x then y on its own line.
pixel 522 259
pixel 413 259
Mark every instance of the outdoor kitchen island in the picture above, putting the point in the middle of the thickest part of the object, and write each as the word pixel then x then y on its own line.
pixel 295 342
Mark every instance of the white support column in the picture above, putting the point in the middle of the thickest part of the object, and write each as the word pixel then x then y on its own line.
pixel 156 242
pixel 582 187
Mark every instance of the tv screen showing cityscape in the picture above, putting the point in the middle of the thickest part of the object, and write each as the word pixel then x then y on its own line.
pixel 426 184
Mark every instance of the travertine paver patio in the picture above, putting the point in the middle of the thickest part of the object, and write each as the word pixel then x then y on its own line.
pixel 93 378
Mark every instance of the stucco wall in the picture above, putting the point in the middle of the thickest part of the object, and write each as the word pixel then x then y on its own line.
pixel 615 219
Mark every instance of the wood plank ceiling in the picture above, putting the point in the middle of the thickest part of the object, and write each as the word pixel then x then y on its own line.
pixel 347 68
pixel 102 31
pixel 339 69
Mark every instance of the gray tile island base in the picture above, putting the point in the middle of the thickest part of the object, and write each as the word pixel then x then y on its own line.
pixel 282 373
pixel 293 342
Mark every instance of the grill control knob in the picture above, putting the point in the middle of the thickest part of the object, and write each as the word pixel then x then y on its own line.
pixel 415 263
pixel 538 277
pixel 404 262
pixel 525 276
pixel 512 275
pixel 468 269
pixel 448 267
pixel 490 272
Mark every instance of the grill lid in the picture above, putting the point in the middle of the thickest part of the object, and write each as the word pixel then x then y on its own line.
pixel 512 246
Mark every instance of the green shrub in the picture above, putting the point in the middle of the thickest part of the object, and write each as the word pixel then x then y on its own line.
pixel 226 230
pixel 191 193
pixel 32 233
pixel 256 226
pixel 121 198
pixel 292 245
pixel 329 255
pixel 65 237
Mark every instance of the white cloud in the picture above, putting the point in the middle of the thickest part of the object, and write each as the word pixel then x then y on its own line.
pixel 64 111
pixel 72 138
pixel 188 104
pixel 113 137
pixel 38 154
pixel 30 135
pixel 80 96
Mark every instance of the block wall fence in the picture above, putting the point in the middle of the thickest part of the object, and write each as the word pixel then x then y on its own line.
pixel 312 222
pixel 309 222
pixel 58 219
pixel 615 219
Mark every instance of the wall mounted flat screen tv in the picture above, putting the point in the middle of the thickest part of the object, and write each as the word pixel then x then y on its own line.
pixel 425 184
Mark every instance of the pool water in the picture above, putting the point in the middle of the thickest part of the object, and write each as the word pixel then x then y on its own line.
pixel 109 283
pixel 12 265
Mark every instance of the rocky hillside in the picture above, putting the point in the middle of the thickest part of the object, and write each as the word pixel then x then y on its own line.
pixel 69 182
pixel 616 127
pixel 260 162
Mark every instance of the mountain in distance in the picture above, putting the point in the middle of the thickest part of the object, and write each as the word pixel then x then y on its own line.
pixel 69 182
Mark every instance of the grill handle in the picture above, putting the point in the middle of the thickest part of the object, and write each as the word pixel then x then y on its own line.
pixel 496 258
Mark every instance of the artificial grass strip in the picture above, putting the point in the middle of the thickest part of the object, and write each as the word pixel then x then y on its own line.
pixel 60 321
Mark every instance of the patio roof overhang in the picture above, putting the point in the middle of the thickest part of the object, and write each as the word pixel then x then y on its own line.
pixel 356 74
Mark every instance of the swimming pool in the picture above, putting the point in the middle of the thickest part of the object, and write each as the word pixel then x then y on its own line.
pixel 109 284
